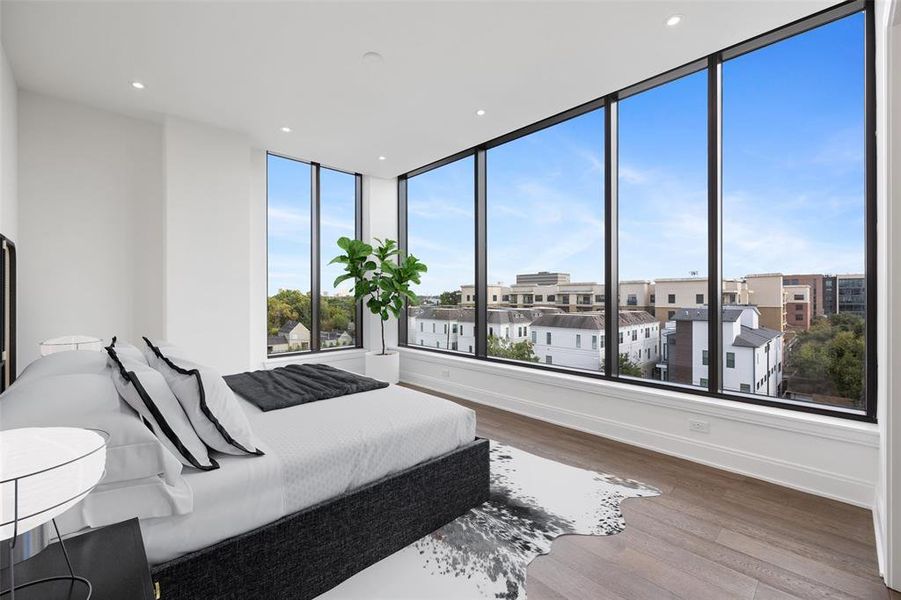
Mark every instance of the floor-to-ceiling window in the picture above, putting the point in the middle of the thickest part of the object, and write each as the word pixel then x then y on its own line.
pixel 545 207
pixel 794 214
pixel 440 233
pixel 730 203
pixel 663 231
pixel 337 219
pixel 303 200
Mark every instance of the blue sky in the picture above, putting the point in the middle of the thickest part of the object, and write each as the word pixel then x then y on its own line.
pixel 793 178
pixel 793 182
pixel 289 223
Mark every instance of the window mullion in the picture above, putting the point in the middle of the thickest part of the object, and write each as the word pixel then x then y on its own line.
pixel 611 241
pixel 315 252
pixel 714 221
pixel 481 255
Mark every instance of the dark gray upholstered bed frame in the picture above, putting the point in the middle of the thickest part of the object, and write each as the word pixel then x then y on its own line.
pixel 307 553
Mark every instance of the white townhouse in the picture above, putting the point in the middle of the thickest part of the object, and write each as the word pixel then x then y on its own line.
pixel 752 355
pixel 577 340
pixel 454 328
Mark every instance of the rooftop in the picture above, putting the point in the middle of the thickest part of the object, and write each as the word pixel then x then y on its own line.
pixel 592 320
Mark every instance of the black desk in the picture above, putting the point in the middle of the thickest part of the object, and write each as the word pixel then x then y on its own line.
pixel 111 558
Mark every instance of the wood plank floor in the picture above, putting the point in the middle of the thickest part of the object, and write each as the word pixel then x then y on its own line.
pixel 711 535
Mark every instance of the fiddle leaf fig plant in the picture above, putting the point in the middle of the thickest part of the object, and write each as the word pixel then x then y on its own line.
pixel 381 280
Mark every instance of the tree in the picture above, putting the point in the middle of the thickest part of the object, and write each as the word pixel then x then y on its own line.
pixel 449 298
pixel 279 313
pixel 627 367
pixel 502 348
pixel 379 277
pixel 829 357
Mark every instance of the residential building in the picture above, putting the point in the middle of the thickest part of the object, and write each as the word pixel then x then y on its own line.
pixel 672 294
pixel 751 354
pixel 292 337
pixel 765 292
pixel 577 340
pixel 798 307
pixel 453 328
pixel 817 292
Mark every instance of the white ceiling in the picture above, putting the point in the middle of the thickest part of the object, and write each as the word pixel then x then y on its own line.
pixel 257 66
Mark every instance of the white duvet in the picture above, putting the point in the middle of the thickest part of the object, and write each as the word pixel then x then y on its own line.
pixel 314 452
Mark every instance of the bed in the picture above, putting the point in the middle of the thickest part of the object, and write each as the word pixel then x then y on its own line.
pixel 341 484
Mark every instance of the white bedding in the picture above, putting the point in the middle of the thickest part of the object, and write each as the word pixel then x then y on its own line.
pixel 313 452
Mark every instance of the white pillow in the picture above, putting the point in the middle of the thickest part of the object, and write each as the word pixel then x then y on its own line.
pixel 146 391
pixel 65 363
pixel 146 498
pixel 90 400
pixel 209 403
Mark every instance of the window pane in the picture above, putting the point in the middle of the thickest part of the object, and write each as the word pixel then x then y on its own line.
pixel 337 216
pixel 793 216
pixel 441 233
pixel 289 255
pixel 663 231
pixel 546 240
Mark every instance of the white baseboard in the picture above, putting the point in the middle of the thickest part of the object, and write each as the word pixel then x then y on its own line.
pixel 806 478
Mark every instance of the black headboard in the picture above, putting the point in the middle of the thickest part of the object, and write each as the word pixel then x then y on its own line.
pixel 7 312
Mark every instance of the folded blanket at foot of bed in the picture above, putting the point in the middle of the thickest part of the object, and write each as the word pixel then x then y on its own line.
pixel 291 385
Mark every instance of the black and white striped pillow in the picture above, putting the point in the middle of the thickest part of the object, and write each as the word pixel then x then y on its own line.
pixel 145 390
pixel 210 404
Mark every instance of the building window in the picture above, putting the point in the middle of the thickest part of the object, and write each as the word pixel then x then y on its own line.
pixel 420 326
pixel 294 190
pixel 578 340
pixel 819 77
pixel 548 359
pixel 802 94
pixel 705 359
pixel 548 338
pixel 538 298
pixel 704 382
pixel 745 388
pixel 634 335
pixel 620 337
pixel 441 231
pixel 594 342
pixel 534 337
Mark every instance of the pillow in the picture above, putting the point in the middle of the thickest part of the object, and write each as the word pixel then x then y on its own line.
pixel 65 363
pixel 145 498
pixel 145 390
pixel 209 403
pixel 126 350
pixel 90 400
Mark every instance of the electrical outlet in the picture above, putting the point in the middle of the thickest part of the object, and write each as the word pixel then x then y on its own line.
pixel 699 426
pixel 445 373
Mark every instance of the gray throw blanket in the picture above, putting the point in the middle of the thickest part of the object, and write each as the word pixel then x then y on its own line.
pixel 298 384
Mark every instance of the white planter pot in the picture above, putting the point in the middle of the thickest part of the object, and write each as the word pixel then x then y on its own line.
pixel 383 367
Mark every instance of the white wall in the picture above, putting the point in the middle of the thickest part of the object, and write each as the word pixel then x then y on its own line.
pixel 90 223
pixel 888 85
pixel 822 455
pixel 207 243
pixel 8 150
pixel 379 221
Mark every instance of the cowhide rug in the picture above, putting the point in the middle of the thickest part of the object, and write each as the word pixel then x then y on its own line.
pixel 485 553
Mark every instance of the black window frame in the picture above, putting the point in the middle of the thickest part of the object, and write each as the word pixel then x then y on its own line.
pixel 712 64
pixel 316 254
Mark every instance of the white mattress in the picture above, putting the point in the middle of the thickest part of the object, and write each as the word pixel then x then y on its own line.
pixel 313 452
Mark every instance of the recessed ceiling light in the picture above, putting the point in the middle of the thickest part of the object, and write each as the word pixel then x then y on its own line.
pixel 674 20
pixel 137 85
pixel 372 57
pixel 480 112
pixel 383 158
pixel 286 129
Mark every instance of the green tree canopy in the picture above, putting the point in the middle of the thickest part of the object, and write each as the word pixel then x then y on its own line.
pixel 502 348
pixel 449 298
